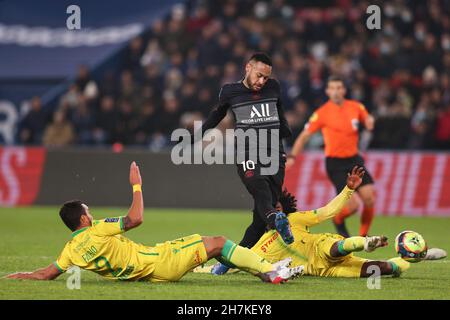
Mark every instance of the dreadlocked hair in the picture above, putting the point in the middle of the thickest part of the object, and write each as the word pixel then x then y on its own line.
pixel 288 201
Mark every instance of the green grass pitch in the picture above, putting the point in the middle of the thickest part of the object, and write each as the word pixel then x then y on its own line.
pixel 33 237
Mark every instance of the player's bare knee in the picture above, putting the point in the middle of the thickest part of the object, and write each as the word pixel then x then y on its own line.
pixel 367 194
pixel 386 268
pixel 334 250
pixel 214 245
pixel 369 201
pixel 352 205
pixel 220 241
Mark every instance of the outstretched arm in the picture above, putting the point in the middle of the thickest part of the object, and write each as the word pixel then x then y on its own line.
pixel 369 122
pixel 300 142
pixel 354 180
pixel 314 124
pixel 313 217
pixel 298 146
pixel 136 213
pixel 48 273
pixel 215 116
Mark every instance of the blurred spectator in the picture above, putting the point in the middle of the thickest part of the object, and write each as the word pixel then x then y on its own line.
pixel 188 97
pixel 85 84
pixel 169 116
pixel 199 19
pixel 443 129
pixel 147 124
pixel 106 121
pixel 297 118
pixel 83 121
pixel 129 89
pixel 33 125
pixel 400 73
pixel 392 128
pixel 71 99
pixel 133 55
pixel 60 132
pixel 205 101
pixel 127 124
pixel 153 55
pixel 231 73
pixel 108 85
pixel 421 123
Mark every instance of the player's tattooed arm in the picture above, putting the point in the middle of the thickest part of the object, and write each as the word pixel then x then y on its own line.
pixel 128 223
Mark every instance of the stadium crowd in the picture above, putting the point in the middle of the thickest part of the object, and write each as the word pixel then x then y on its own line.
pixel 171 75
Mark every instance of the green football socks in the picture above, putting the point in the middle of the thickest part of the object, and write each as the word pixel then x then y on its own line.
pixel 351 244
pixel 244 258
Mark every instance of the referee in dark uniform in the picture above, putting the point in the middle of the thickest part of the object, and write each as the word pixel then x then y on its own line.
pixel 256 105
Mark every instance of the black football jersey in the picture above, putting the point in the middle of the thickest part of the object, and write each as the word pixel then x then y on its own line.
pixel 258 110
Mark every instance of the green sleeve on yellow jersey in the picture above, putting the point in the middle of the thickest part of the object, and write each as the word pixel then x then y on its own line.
pixel 108 226
pixel 63 262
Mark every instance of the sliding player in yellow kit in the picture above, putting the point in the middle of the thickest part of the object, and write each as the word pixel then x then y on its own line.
pixel 97 246
pixel 326 254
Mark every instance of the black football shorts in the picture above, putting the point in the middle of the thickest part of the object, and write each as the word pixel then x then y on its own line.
pixel 338 168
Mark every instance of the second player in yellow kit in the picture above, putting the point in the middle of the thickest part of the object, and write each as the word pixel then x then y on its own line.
pixel 312 250
pixel 326 254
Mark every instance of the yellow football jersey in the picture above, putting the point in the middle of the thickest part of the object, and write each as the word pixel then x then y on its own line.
pixel 273 248
pixel 308 249
pixel 101 249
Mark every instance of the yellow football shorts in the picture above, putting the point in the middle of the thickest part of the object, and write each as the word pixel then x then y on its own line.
pixel 178 257
pixel 324 265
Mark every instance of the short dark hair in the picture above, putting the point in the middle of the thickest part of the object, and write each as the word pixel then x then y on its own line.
pixel 71 213
pixel 261 57
pixel 288 202
pixel 335 78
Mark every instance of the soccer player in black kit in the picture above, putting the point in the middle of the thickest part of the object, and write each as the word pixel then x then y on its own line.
pixel 256 105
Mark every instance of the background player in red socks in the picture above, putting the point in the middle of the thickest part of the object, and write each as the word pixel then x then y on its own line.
pixel 339 121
